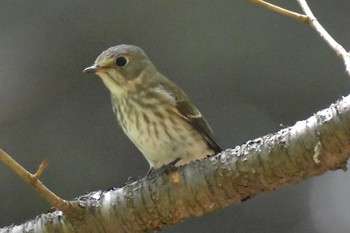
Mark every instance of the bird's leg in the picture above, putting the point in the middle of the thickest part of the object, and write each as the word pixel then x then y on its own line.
pixel 150 171
pixel 169 167
pixel 163 169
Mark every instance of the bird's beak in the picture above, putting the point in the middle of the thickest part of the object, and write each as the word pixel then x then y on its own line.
pixel 92 69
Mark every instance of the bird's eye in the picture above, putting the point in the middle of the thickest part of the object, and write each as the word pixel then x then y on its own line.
pixel 121 61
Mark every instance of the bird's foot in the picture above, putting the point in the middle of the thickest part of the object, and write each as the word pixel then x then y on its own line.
pixel 165 169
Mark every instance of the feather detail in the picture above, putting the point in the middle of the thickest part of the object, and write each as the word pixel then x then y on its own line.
pixel 191 114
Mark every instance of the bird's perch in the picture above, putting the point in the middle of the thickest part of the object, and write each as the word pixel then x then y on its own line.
pixel 308 148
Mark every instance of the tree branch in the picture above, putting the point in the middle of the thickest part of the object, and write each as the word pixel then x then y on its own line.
pixel 33 180
pixel 311 20
pixel 340 51
pixel 70 209
pixel 282 11
pixel 308 148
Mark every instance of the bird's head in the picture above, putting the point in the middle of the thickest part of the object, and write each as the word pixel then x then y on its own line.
pixel 123 69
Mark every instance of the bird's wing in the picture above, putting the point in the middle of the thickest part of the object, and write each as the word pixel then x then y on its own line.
pixel 191 114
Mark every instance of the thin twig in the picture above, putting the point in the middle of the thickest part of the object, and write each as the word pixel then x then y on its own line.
pixel 34 181
pixel 325 35
pixel 311 20
pixel 41 169
pixel 282 11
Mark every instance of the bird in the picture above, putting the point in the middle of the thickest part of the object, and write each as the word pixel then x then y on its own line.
pixel 155 113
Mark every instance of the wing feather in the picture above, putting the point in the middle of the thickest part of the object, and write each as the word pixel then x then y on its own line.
pixel 191 114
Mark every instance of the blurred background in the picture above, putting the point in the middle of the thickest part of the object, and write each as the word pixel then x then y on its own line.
pixel 247 69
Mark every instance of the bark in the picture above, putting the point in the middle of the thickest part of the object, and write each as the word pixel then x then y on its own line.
pixel 308 148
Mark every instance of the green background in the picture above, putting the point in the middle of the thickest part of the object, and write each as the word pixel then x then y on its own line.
pixel 246 68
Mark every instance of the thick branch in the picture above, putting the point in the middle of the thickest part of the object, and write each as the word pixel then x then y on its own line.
pixel 308 148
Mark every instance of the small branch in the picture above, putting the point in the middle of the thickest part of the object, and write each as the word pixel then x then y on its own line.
pixel 325 35
pixel 283 11
pixel 41 169
pixel 311 20
pixel 34 181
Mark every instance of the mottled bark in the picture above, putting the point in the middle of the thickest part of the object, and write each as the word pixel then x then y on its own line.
pixel 308 148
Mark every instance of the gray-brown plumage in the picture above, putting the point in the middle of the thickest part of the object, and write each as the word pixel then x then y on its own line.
pixel 154 112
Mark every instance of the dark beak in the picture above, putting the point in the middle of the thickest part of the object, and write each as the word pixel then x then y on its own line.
pixel 92 69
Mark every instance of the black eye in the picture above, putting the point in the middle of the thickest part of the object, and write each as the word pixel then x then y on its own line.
pixel 121 61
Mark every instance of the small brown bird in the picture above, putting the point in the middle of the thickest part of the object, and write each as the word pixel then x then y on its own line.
pixel 154 112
